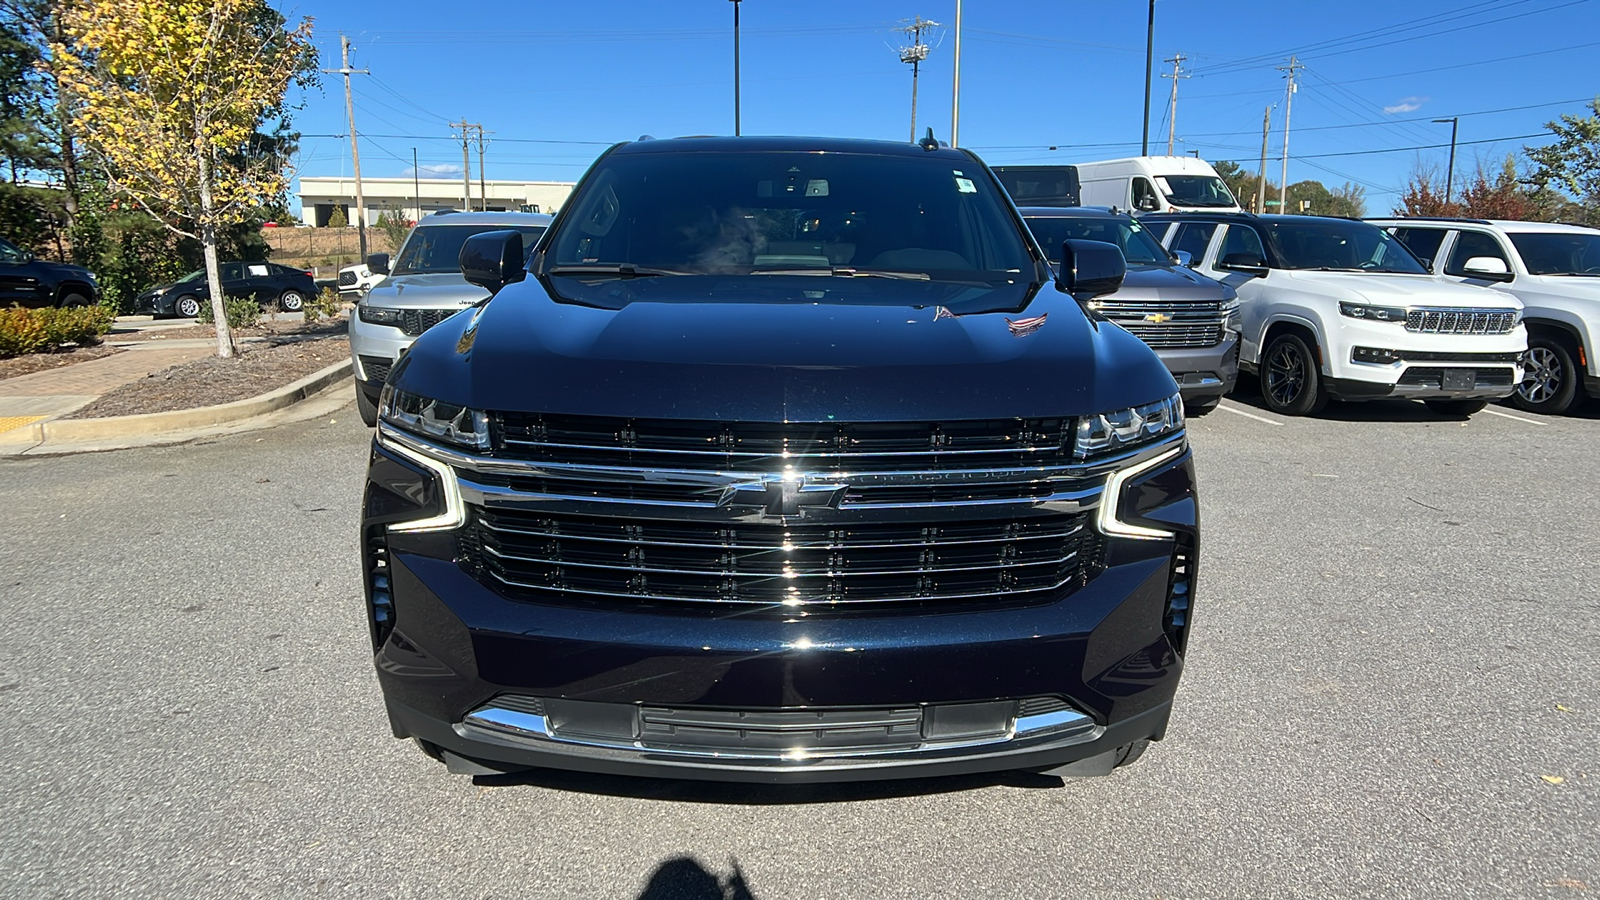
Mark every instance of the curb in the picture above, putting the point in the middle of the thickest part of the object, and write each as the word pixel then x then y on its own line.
pixel 42 434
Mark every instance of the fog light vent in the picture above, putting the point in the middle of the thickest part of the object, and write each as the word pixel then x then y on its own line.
pixel 1180 593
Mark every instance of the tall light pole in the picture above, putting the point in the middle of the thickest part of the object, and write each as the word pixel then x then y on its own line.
pixel 736 68
pixel 955 96
pixel 1455 122
pixel 1149 59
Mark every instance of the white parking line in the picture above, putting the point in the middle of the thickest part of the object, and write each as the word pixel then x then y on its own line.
pixel 1239 412
pixel 1506 415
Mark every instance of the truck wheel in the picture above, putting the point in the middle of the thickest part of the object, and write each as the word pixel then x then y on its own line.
pixel 367 409
pixel 186 306
pixel 73 298
pixel 1549 378
pixel 1291 382
pixel 1456 407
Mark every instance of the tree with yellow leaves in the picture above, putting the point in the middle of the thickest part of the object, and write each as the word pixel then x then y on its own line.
pixel 169 93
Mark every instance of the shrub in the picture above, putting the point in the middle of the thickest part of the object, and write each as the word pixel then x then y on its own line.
pixel 325 305
pixel 242 312
pixel 40 330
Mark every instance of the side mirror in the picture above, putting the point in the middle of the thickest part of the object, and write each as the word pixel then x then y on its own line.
pixel 378 263
pixel 1249 263
pixel 1185 258
pixel 492 259
pixel 1090 269
pixel 1489 268
pixel 1148 203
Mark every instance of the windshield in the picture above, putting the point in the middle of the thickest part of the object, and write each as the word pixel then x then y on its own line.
pixel 1309 242
pixel 1137 244
pixel 437 248
pixel 9 252
pixel 1569 253
pixel 1195 190
pixel 788 213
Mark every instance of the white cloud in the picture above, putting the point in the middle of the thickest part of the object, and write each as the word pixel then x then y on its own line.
pixel 1408 104
pixel 443 170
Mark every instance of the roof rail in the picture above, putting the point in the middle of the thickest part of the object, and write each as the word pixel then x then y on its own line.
pixel 1436 219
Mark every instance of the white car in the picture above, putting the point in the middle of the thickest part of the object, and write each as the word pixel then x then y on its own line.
pixel 1553 269
pixel 1334 308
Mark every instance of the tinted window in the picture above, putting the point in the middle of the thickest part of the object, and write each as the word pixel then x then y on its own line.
pixel 1424 242
pixel 1311 242
pixel 9 252
pixel 1040 185
pixel 1241 239
pixel 1194 237
pixel 437 248
pixel 231 272
pixel 1472 244
pixel 1568 253
pixel 1195 190
pixel 709 213
pixel 1138 246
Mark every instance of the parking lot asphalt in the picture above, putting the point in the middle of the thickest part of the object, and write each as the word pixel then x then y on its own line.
pixel 1391 691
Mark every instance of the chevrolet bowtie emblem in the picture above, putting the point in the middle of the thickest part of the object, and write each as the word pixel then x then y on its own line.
pixel 1158 318
pixel 782 495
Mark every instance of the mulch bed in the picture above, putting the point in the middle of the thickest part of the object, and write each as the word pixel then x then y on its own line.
pixel 39 362
pixel 257 369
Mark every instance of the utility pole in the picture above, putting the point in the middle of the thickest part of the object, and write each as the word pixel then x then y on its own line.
pixel 355 150
pixel 1288 104
pixel 1455 121
pixel 1261 179
pixel 955 94
pixel 1149 58
pixel 915 54
pixel 735 68
pixel 416 187
pixel 466 163
pixel 483 189
pixel 1172 114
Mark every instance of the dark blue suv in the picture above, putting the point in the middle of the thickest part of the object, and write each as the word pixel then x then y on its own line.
pixel 781 459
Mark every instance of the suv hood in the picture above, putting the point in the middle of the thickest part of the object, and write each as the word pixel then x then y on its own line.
pixel 1169 283
pixel 775 362
pixel 1382 289
pixel 445 290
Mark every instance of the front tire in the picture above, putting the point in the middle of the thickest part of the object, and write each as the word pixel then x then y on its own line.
pixel 1550 378
pixel 73 298
pixel 367 408
pixel 1291 380
pixel 1456 407
pixel 186 307
pixel 291 301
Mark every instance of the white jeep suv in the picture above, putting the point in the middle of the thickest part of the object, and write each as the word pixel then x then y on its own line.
pixel 1334 308
pixel 1553 269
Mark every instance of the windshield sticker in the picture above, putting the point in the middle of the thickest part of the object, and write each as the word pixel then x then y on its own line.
pixel 965 185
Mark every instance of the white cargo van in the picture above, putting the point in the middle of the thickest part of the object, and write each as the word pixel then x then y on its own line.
pixel 1155 184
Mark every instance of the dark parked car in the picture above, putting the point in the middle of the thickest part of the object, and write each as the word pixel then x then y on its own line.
pixel 266 282
pixel 26 280
pixel 781 459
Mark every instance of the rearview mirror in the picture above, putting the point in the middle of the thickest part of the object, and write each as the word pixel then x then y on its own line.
pixel 1249 263
pixel 1489 268
pixel 492 259
pixel 1090 269
pixel 378 263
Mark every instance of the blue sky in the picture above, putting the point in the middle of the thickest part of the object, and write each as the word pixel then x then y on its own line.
pixel 557 82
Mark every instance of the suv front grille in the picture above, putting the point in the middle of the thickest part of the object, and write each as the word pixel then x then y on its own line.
pixel 545 556
pixel 415 321
pixel 1168 324
pixel 346 279
pixel 1461 321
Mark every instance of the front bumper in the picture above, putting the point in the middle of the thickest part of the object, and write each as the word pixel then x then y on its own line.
pixel 512 683
pixel 1205 372
pixel 374 349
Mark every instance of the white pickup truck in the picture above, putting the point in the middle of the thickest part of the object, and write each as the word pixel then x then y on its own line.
pixel 355 281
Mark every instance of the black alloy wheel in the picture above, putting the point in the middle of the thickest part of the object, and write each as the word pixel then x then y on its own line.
pixel 1549 377
pixel 1291 382
pixel 187 306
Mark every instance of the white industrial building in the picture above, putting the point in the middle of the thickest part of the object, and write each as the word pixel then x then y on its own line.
pixel 320 195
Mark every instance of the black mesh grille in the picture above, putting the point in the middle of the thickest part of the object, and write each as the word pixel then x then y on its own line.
pixel 346 279
pixel 415 321
pixel 1430 376
pixel 376 367
pixel 550 556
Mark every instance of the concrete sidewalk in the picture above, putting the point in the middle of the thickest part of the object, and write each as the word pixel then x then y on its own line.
pixel 57 392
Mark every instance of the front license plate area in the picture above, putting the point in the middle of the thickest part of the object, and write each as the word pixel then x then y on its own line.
pixel 1458 379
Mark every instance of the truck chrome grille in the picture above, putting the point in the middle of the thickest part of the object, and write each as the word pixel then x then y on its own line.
pixel 550 556
pixel 1168 324
pixel 415 321
pixel 1461 321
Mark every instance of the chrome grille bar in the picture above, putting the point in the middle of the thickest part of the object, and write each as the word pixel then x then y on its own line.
pixel 1461 321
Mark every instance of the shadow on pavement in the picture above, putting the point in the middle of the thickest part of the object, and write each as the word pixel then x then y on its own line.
pixel 685 879
pixel 686 791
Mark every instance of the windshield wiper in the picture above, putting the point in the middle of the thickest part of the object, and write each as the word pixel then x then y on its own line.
pixel 626 270
pixel 845 272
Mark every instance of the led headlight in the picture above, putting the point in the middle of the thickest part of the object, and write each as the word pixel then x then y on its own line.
pixel 1126 428
pixel 378 315
pixel 434 419
pixel 1372 313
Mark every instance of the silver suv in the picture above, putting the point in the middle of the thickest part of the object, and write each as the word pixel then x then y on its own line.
pixel 424 288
